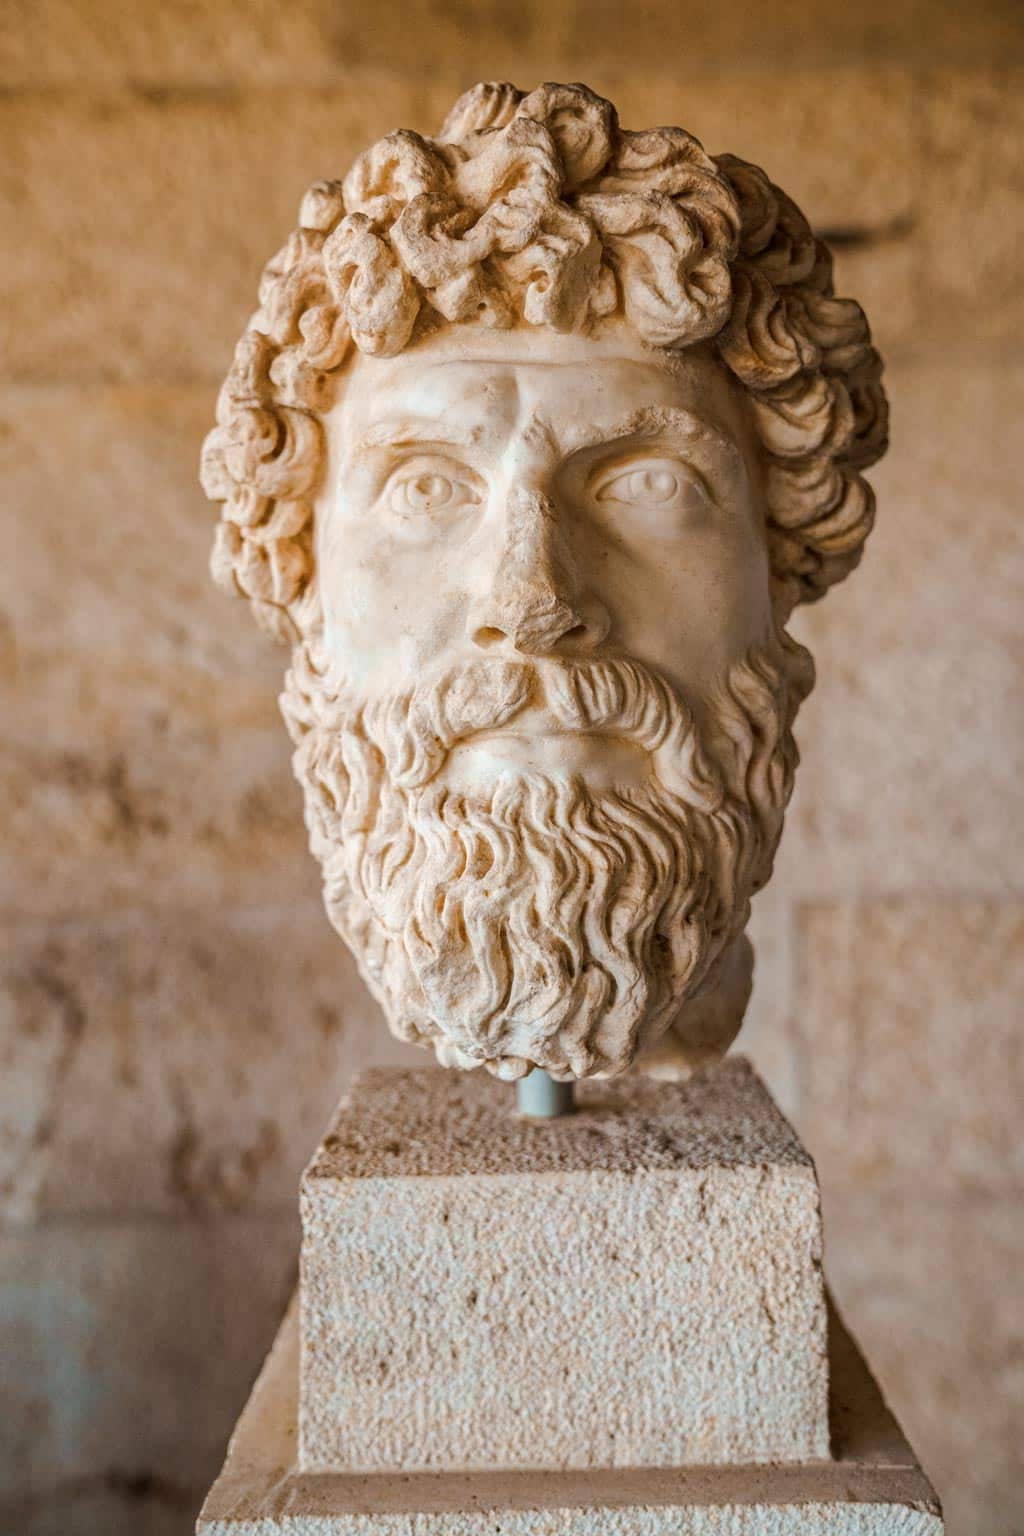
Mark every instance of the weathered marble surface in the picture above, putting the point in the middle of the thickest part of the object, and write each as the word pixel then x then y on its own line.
pixel 543 428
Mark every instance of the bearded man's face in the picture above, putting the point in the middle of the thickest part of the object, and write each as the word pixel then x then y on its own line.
pixel 544 732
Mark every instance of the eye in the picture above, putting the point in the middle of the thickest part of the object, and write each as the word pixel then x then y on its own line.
pixel 636 485
pixel 431 489
pixel 657 483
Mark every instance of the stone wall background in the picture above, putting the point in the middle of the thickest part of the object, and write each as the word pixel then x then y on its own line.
pixel 177 1019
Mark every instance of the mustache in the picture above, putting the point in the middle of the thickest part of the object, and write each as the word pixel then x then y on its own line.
pixel 416 730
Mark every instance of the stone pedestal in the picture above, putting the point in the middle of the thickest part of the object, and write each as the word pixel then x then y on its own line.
pixel 610 1322
pixel 637 1284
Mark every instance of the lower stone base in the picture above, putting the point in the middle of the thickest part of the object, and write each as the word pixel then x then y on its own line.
pixel 873 1486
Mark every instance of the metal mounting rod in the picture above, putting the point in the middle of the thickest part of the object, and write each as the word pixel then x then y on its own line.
pixel 542 1098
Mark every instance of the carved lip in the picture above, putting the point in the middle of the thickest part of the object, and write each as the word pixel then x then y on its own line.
pixel 536 722
pixel 606 758
pixel 553 731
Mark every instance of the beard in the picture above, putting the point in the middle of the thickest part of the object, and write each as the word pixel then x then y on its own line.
pixel 542 922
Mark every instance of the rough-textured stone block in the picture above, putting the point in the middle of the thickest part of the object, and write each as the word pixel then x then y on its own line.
pixel 71 43
pixel 972 204
pixel 638 1284
pixel 874 1487
pixel 155 1064
pixel 909 1029
pixel 145 761
pixel 604 43
pixel 114 534
pixel 47 43
pixel 913 752
pixel 137 795
pixel 880 265
pixel 931 1285
pixel 808 135
pixel 179 198
pixel 127 1348
pixel 460 42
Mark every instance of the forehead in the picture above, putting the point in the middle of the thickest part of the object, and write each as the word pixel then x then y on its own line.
pixel 475 382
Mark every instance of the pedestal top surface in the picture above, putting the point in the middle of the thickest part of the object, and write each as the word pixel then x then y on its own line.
pixel 448 1125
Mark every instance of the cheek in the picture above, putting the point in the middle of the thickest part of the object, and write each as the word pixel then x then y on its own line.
pixel 390 611
pixel 694 605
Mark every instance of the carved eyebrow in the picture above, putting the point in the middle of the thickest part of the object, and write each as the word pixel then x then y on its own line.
pixel 650 421
pixel 395 434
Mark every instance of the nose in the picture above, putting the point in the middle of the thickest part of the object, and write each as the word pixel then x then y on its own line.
pixel 534 604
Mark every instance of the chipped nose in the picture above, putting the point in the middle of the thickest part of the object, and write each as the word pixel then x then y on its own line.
pixel 533 603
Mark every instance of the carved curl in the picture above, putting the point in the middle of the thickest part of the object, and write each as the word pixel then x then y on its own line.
pixel 538 209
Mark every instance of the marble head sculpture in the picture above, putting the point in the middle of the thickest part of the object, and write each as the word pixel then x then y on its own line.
pixel 541 430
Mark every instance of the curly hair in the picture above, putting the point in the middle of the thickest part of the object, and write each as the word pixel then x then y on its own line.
pixel 540 209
